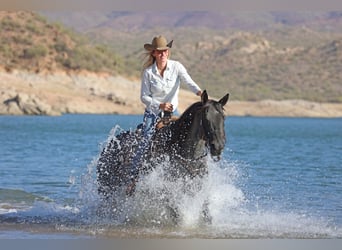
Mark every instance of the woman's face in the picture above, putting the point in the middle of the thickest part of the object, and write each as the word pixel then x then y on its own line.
pixel 161 56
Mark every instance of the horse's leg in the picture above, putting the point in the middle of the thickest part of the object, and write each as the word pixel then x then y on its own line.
pixel 114 163
pixel 173 213
pixel 206 216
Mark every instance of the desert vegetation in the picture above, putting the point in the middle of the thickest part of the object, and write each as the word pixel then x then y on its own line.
pixel 257 58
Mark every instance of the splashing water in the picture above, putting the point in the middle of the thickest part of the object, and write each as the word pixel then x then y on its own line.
pixel 149 212
pixel 279 178
pixel 157 195
pixel 158 200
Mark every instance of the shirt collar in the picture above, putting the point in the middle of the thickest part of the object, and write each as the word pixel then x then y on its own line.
pixel 155 69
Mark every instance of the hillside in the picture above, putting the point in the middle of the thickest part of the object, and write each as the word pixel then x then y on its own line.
pixel 255 68
pixel 131 21
pixel 29 42
pixel 254 55
pixel 48 69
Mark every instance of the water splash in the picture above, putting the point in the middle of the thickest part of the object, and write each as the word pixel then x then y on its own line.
pixel 147 213
pixel 157 197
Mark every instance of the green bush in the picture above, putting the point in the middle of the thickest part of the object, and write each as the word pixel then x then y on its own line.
pixel 60 46
pixel 33 28
pixel 5 50
pixel 22 40
pixel 8 24
pixel 35 52
pixel 98 58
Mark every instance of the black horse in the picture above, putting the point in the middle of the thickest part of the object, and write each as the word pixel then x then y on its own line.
pixel 185 142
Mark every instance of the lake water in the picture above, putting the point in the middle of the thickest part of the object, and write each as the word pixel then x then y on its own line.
pixel 278 178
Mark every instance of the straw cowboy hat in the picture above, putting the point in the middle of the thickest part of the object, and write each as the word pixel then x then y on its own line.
pixel 158 43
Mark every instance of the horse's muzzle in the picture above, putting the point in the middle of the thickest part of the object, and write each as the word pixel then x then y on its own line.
pixel 215 150
pixel 216 158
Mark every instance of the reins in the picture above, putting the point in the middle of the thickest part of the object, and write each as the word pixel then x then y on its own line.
pixel 186 162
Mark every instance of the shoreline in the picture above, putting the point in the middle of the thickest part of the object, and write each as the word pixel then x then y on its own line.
pixel 25 93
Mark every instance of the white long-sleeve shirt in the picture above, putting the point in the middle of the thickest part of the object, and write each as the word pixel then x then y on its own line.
pixel 157 89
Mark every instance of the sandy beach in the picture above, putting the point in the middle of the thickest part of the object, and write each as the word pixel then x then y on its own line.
pixel 25 93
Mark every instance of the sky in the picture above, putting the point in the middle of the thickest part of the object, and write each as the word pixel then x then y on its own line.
pixel 174 5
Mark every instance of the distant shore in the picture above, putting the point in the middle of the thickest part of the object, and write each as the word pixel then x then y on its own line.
pixel 24 93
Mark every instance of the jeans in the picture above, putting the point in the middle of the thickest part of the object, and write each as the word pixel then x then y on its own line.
pixel 149 124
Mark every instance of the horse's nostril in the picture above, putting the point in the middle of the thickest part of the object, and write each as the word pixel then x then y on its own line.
pixel 216 158
pixel 214 150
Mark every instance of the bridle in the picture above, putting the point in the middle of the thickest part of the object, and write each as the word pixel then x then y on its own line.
pixel 206 127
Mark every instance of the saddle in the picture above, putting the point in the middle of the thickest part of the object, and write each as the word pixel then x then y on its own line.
pixel 165 120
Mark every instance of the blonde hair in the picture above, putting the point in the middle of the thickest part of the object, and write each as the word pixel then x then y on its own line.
pixel 149 60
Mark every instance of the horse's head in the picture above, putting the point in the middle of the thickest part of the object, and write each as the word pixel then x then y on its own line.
pixel 213 123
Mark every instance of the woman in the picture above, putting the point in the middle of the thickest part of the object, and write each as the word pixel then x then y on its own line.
pixel 160 84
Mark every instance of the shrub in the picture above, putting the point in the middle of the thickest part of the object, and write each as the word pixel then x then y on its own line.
pixel 8 24
pixel 33 28
pixel 34 52
pixel 60 46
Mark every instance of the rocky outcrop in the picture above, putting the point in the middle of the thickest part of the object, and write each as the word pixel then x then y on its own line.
pixel 27 93
pixel 23 93
pixel 14 103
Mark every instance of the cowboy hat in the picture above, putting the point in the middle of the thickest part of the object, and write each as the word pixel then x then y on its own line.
pixel 158 43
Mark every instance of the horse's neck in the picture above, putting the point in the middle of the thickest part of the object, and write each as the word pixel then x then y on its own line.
pixel 190 142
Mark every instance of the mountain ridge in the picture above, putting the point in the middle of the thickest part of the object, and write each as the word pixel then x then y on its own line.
pixel 292 63
pixel 221 20
pixel 256 55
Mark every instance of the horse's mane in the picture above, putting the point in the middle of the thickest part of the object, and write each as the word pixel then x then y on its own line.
pixel 187 115
pixel 183 123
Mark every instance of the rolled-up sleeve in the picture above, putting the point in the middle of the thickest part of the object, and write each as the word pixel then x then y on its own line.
pixel 186 78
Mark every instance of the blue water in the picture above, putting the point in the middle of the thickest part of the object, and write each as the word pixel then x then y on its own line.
pixel 279 178
pixel 295 164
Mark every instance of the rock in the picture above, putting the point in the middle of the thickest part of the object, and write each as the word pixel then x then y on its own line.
pixel 60 93
pixel 14 103
pixel 117 100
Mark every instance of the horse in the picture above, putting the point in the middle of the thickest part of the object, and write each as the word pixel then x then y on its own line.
pixel 186 142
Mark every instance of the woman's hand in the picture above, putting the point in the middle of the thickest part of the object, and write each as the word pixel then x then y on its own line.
pixel 166 106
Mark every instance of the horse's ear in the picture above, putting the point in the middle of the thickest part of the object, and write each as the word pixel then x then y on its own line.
pixel 204 97
pixel 224 100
